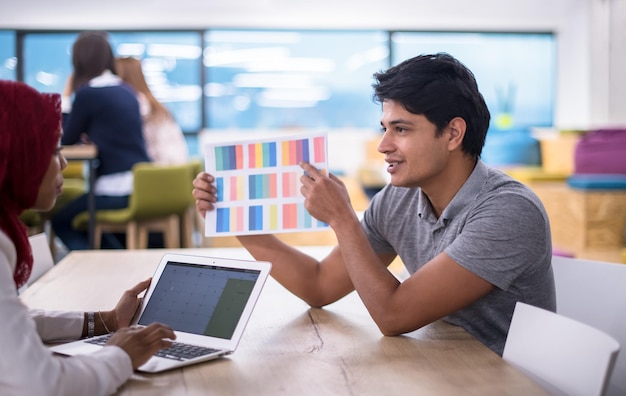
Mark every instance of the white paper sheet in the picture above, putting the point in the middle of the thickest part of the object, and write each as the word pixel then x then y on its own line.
pixel 258 184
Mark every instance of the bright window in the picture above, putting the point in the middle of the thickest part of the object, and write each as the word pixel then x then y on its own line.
pixel 171 62
pixel 171 65
pixel 515 71
pixel 292 79
pixel 257 80
pixel 47 60
pixel 8 59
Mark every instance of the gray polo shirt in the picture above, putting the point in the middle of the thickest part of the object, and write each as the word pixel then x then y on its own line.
pixel 494 226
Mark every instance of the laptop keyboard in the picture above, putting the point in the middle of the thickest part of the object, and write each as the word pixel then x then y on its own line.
pixel 178 350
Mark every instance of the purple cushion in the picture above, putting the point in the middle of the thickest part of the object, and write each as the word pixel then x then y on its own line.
pixel 562 253
pixel 601 151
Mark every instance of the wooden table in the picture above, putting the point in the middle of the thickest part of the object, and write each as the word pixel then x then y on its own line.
pixel 289 348
pixel 88 153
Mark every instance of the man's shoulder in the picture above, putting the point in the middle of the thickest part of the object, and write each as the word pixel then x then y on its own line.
pixel 509 195
pixel 500 182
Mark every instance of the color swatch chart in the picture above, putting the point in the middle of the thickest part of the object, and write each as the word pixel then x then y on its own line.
pixel 258 185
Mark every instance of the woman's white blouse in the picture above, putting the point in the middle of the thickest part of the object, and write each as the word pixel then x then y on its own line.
pixel 27 367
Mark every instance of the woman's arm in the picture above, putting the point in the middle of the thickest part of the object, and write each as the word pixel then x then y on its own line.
pixel 76 121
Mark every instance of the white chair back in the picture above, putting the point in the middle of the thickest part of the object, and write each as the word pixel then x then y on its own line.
pixel 594 292
pixel 42 258
pixel 569 356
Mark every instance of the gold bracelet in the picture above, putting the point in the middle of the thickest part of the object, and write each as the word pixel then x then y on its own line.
pixel 104 323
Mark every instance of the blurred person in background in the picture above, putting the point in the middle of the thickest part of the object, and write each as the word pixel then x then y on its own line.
pixel 164 139
pixel 104 111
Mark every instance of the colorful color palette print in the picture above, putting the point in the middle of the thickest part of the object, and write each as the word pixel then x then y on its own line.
pixel 258 184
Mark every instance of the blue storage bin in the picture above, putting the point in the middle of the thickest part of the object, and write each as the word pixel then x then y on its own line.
pixel 511 147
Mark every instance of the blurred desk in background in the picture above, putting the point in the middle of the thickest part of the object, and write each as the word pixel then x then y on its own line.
pixel 89 154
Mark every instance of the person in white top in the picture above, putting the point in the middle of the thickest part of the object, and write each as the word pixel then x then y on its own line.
pixel 30 177
pixel 164 139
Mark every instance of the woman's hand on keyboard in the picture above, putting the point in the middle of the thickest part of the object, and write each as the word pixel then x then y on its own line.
pixel 140 343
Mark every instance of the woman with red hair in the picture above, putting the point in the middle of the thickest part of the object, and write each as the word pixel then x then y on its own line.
pixel 30 177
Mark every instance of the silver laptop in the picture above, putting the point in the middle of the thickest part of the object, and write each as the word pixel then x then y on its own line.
pixel 206 300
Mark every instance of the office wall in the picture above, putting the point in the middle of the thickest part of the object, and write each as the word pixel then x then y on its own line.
pixel 617 62
pixel 591 77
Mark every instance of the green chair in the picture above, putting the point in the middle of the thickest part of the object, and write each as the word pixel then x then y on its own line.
pixel 159 199
pixel 32 219
pixel 190 220
pixel 73 187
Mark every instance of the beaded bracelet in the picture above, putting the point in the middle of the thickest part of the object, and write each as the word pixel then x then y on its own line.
pixel 91 325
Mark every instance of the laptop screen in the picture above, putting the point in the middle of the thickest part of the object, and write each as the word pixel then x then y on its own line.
pixel 200 299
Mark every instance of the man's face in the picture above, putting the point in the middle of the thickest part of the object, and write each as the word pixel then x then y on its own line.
pixel 415 156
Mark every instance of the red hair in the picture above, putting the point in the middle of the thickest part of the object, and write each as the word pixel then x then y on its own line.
pixel 30 128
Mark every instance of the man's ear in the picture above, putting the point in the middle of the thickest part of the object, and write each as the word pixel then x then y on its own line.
pixel 457 128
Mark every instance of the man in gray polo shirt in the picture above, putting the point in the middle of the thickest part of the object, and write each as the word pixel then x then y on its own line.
pixel 474 240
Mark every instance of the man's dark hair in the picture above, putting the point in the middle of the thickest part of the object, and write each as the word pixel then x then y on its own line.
pixel 441 88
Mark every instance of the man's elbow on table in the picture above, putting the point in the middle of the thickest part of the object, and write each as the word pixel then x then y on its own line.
pixel 395 324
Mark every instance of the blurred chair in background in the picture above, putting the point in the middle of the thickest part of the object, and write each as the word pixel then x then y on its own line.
pixel 74 185
pixel 42 258
pixel 191 222
pixel 592 292
pixel 564 355
pixel 159 200
pixel 32 219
